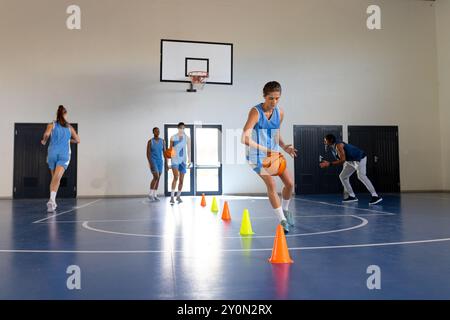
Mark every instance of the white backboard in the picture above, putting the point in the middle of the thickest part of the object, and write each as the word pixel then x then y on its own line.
pixel 178 57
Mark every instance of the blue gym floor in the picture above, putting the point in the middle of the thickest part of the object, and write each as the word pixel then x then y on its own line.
pixel 133 249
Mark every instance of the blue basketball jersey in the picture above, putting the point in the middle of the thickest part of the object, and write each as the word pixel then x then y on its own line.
pixel 265 133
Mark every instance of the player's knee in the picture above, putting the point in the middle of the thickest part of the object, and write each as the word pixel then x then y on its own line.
pixel 361 176
pixel 289 184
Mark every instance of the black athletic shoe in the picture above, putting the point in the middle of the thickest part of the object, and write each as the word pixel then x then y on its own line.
pixel 375 200
pixel 350 199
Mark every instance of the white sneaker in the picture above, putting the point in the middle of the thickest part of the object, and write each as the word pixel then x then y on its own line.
pixel 150 197
pixel 51 206
pixel 155 198
pixel 179 200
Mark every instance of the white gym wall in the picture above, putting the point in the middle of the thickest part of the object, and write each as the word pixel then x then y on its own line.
pixel 332 68
pixel 443 44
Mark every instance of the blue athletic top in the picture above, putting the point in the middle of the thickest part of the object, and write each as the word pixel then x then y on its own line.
pixel 180 147
pixel 265 133
pixel 60 139
pixel 352 153
pixel 157 148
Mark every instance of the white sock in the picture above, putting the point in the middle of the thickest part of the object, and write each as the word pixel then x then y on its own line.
pixel 279 213
pixel 53 196
pixel 285 204
pixel 178 194
pixel 374 195
pixel 172 193
pixel 155 193
pixel 150 194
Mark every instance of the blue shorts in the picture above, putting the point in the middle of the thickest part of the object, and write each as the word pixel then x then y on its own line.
pixel 55 159
pixel 257 168
pixel 181 167
pixel 255 160
pixel 157 166
pixel 256 165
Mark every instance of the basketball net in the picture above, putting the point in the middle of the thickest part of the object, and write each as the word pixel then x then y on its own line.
pixel 198 80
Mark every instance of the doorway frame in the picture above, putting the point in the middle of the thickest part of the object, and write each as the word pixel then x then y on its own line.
pixel 73 166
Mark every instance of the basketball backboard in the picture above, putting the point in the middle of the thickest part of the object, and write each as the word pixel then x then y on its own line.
pixel 179 57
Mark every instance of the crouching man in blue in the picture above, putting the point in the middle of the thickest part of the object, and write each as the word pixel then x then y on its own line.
pixel 353 159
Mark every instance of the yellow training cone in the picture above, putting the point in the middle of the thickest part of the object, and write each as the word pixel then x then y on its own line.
pixel 246 225
pixel 214 207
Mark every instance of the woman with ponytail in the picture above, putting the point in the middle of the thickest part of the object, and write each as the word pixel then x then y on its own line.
pixel 61 134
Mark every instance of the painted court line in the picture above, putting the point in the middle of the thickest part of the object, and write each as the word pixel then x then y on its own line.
pixel 64 212
pixel 349 246
pixel 253 218
pixel 363 223
pixel 344 206
pixel 329 215
pixel 111 220
pixel 299 199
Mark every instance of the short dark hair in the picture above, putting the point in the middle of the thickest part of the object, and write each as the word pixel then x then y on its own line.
pixel 180 124
pixel 155 129
pixel 271 86
pixel 330 138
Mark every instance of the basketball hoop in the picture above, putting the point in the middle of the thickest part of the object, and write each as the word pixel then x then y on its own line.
pixel 198 80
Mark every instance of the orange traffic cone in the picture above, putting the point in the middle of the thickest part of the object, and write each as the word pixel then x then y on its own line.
pixel 226 212
pixel 203 203
pixel 280 252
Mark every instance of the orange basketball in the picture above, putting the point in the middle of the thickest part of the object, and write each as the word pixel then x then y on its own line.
pixel 169 153
pixel 274 164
